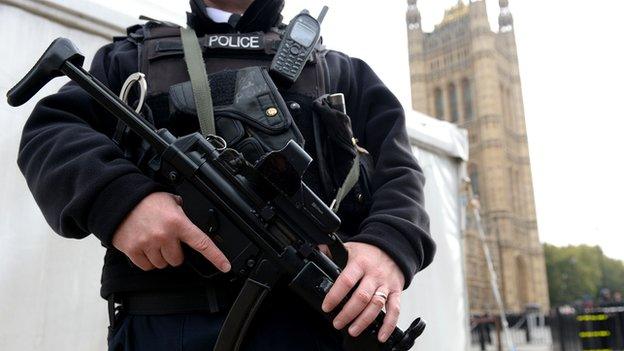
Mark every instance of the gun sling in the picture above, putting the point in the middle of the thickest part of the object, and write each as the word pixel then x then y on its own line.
pixel 199 80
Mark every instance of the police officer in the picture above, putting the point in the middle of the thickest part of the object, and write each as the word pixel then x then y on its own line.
pixel 84 183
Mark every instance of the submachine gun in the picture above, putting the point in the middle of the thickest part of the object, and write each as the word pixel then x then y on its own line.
pixel 269 221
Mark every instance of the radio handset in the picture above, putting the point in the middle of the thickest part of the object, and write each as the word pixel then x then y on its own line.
pixel 300 38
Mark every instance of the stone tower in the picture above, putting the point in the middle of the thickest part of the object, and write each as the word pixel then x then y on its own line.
pixel 467 74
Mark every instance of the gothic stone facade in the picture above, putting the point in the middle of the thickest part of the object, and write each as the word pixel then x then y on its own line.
pixel 465 73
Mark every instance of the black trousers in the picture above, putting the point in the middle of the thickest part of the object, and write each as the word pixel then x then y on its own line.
pixel 280 325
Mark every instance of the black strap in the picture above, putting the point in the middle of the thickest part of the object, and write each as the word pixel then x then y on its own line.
pixel 111 311
pixel 209 300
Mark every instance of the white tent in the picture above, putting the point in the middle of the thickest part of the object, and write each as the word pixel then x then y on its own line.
pixel 49 286
pixel 438 294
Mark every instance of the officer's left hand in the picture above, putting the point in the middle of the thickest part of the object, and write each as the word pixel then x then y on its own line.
pixel 374 271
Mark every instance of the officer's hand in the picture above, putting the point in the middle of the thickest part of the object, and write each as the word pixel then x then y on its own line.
pixel 375 271
pixel 151 235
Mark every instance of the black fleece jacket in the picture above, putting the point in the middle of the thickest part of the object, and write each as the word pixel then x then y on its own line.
pixel 83 184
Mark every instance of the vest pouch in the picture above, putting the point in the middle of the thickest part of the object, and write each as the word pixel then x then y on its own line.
pixel 246 105
pixel 339 149
pixel 356 205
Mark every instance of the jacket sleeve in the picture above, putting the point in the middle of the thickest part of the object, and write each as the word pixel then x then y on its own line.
pixel 76 173
pixel 397 222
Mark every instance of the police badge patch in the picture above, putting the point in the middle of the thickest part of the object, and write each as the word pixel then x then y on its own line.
pixel 244 41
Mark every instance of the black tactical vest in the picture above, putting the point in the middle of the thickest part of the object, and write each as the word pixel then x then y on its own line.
pixel 161 59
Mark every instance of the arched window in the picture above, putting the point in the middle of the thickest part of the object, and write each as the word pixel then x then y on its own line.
pixel 439 104
pixel 452 91
pixel 467 97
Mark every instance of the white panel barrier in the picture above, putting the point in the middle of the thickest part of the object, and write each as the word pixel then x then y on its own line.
pixel 49 286
pixel 438 293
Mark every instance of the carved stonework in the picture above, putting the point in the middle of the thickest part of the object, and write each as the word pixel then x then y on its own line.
pixel 465 73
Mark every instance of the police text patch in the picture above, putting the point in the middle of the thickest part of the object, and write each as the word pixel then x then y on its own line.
pixel 251 41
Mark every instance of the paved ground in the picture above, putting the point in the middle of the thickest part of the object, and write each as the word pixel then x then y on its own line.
pixel 541 341
pixel 535 348
pixel 519 348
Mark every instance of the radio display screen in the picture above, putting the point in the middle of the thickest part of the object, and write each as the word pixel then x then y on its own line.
pixel 303 34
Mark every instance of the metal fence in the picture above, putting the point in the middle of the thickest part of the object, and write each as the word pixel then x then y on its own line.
pixel 529 332
pixel 596 329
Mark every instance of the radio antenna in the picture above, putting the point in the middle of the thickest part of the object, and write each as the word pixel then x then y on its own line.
pixel 321 16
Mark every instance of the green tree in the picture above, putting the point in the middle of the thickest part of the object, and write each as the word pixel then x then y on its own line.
pixel 612 274
pixel 578 271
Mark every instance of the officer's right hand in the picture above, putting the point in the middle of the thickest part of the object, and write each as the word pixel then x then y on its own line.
pixel 152 233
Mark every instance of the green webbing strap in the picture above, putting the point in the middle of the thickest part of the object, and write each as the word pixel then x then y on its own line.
pixel 199 81
pixel 350 180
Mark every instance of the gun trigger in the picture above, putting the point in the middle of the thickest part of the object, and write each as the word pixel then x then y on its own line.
pixel 213 223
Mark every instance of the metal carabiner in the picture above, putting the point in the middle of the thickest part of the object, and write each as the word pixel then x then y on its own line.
pixel 137 77
pixel 218 142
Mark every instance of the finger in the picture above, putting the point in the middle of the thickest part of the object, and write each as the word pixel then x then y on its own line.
pixel 359 300
pixel 141 261
pixel 156 258
pixel 201 243
pixel 393 309
pixel 343 285
pixel 325 250
pixel 178 200
pixel 369 314
pixel 172 253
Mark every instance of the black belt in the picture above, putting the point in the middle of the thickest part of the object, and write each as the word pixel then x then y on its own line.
pixel 208 300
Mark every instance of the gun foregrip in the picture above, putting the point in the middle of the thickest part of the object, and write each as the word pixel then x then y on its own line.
pixel 312 284
pixel 47 68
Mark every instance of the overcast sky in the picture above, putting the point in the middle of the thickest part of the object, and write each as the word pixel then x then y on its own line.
pixel 571 64
pixel 571 61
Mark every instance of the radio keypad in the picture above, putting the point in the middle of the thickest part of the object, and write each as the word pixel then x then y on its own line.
pixel 290 64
